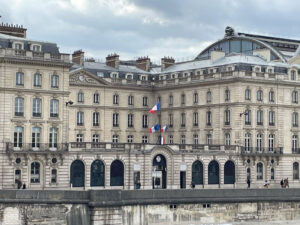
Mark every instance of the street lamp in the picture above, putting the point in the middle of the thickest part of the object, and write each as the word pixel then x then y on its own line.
pixel 69 103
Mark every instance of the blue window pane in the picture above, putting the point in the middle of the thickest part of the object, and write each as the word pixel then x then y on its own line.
pixel 235 46
pixel 224 46
pixel 246 47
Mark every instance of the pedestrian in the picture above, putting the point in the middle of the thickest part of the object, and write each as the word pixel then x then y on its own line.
pixel 266 185
pixel 248 182
pixel 287 183
pixel 281 183
pixel 24 186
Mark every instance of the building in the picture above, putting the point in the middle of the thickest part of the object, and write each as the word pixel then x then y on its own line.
pixel 232 114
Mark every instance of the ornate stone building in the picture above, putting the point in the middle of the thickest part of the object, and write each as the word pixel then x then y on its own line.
pixel 232 114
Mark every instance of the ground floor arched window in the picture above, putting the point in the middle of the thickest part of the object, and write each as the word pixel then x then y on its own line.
pixel 97 173
pixel 35 172
pixel 295 170
pixel 229 172
pixel 259 171
pixel 77 174
pixel 213 172
pixel 117 173
pixel 197 173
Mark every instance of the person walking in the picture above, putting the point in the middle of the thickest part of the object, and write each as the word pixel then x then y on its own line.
pixel 287 183
pixel 281 183
pixel 248 182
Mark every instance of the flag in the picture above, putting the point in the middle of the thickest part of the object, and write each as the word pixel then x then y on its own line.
pixel 162 140
pixel 155 108
pixel 164 129
pixel 156 127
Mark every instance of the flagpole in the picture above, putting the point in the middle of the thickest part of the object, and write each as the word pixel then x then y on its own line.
pixel 159 122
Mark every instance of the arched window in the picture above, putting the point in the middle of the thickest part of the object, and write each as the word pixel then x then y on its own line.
pixel 229 172
pixel 227 139
pixel 36 107
pixel 295 171
pixel 259 117
pixel 293 75
pixel 271 142
pixel 97 173
pixel 247 141
pixel 271 96
pixel 195 97
pixel 259 142
pixel 247 94
pixel 36 137
pixel 18 137
pixel 295 144
pixel 227 117
pixel 295 119
pixel 248 173
pixel 259 171
pixel 208 96
pixel 19 106
pixel 117 173
pixel 213 172
pixel 248 117
pixel 227 95
pixel 53 137
pixel 35 172
pixel 259 95
pixel 197 173
pixel 96 98
pixel 77 174
pixel 294 97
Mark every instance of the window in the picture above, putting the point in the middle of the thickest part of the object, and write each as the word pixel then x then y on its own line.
pixel 170 120
pixel 293 75
pixel 36 48
pixel 36 137
pixel 130 100
pixel 115 138
pixel 271 96
pixel 295 119
pixel 208 118
pixel 144 139
pixel 96 119
pixel 19 106
pixel 247 141
pixel 248 117
pixel 95 138
pixel 195 98
pixel 145 101
pixel 271 142
pixel 130 120
pixel 80 116
pixel 53 137
pixel 170 100
pixel 116 99
pixel 130 138
pixel 295 144
pixel 195 119
pixel 18 176
pixel 195 138
pixel 259 142
pixel 227 139
pixel 54 81
pixel 96 98
pixel 53 176
pixel 115 120
pixel 182 139
pixel 272 174
pixel 247 94
pixel 259 171
pixel 227 95
pixel 259 117
pixel 36 107
pixel 37 80
pixel 35 172
pixel 80 97
pixel 295 171
pixel 18 137
pixel 79 138
pixel 20 78
pixel 171 139
pixel 18 46
pixel 259 95
pixel 294 97
pixel 227 117
pixel 208 96
pixel 182 120
pixel 271 118
pixel 145 121
pixel 208 139
pixel 53 108
pixel 182 99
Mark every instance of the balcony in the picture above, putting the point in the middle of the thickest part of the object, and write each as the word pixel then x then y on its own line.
pixel 36 147
pixel 295 150
pixel 261 151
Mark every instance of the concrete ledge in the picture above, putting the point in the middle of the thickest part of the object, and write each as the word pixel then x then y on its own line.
pixel 105 198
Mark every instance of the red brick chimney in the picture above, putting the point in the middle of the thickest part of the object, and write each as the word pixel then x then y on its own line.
pixel 143 63
pixel 166 62
pixel 13 30
pixel 78 57
pixel 113 60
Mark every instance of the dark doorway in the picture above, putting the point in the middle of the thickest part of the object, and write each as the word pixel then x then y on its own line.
pixel 182 179
pixel 159 173
pixel 77 174
pixel 229 172
pixel 213 172
pixel 97 173
pixel 197 173
pixel 117 173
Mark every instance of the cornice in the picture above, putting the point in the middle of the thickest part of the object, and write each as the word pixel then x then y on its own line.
pixel 41 91
pixel 35 62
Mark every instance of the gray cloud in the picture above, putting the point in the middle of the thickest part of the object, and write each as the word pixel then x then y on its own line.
pixel 156 28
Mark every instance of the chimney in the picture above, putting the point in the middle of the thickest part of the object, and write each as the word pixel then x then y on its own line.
pixel 13 30
pixel 166 62
pixel 112 60
pixel 78 57
pixel 143 63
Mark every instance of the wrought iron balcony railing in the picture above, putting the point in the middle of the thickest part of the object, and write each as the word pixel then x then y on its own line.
pixel 261 150
pixel 36 147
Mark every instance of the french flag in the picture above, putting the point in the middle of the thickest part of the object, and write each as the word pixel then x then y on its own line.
pixel 155 108
pixel 156 127
pixel 162 140
pixel 164 129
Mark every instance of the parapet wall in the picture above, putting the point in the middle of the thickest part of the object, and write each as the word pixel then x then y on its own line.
pixel 149 207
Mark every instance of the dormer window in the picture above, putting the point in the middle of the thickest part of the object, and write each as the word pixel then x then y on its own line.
pixel 36 48
pixel 143 77
pixel 161 77
pixel 293 75
pixel 173 76
pixel 129 76
pixel 270 70
pixel 257 69
pixel 114 75
pixel 18 46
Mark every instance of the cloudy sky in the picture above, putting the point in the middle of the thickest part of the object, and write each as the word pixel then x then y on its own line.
pixel 154 28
